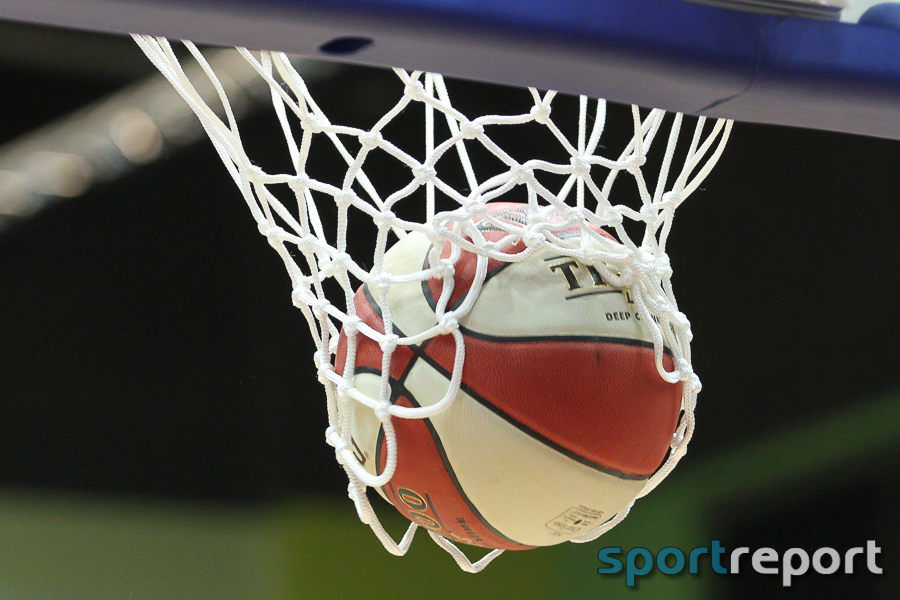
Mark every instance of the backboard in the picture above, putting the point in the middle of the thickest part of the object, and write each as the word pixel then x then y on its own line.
pixel 801 63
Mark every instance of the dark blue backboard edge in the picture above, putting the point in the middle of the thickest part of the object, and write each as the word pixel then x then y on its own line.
pixel 670 54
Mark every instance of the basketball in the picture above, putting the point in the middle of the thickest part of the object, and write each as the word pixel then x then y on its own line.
pixel 561 416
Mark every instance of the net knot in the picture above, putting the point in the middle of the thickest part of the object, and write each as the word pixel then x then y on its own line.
pixel 322 360
pixel 383 411
pixel 351 325
pixel 312 123
pixel 332 436
pixel 580 167
pixel 649 212
pixel 424 174
pixel 299 182
pixel 319 306
pixel 307 243
pixel 384 220
pixel 470 130
pixel 540 113
pixel 322 374
pixel 382 283
pixel 574 215
pixel 415 90
pixel 335 266
pixel 670 200
pixel 274 234
pixel 443 269
pixel 522 174
pixel 448 324
pixel 612 215
pixel 633 163
pixel 252 173
pixel 662 266
pixel 327 269
pixel 342 261
pixel 389 343
pixel 300 294
pixel 476 208
pixel 371 139
pixel 342 451
pixel 343 389
pixel 343 199
pixel 695 383
pixel 534 237
pixel 684 369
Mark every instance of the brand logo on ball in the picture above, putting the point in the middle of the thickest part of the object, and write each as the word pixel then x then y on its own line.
pixel 575 520
pixel 417 509
pixel 574 273
pixel 411 499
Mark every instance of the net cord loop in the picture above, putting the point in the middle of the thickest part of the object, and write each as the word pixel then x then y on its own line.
pixel 461 559
pixel 562 196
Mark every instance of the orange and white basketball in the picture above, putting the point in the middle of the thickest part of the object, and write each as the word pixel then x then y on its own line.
pixel 561 417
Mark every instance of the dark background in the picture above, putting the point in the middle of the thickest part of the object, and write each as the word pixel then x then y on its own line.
pixel 148 344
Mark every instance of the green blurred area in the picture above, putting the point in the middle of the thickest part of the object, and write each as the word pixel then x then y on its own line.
pixel 100 548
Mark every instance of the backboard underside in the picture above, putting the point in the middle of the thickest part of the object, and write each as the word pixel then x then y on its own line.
pixel 672 54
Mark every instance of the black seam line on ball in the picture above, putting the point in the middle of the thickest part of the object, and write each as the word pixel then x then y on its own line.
pixel 371 299
pixel 408 368
pixel 436 515
pixel 397 331
pixel 527 430
pixel 379 441
pixel 432 302
pixel 592 293
pixel 449 469
pixel 597 339
pixel 397 390
pixel 380 437
pixel 373 304
pixel 501 339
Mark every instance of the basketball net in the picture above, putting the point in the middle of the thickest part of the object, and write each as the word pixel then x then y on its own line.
pixel 581 200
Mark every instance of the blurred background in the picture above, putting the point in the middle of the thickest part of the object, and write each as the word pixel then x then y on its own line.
pixel 162 431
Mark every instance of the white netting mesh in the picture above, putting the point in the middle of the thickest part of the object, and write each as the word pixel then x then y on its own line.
pixel 574 192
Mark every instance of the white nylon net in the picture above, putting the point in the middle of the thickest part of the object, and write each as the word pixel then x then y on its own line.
pixel 288 208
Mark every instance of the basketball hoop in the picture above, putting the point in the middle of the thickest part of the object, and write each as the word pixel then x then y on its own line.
pixel 566 206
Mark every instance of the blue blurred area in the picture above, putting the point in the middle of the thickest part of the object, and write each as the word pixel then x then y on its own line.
pixel 886 14
pixel 672 54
